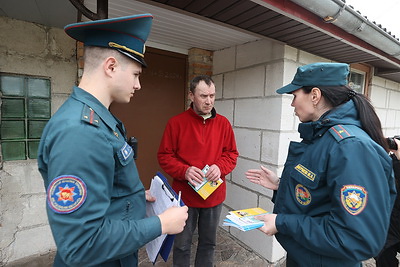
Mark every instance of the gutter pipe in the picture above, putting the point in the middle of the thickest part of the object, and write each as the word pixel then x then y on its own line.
pixel 346 18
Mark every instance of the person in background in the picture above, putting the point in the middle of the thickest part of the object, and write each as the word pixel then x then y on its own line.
pixel 193 139
pixel 336 192
pixel 388 256
pixel 96 203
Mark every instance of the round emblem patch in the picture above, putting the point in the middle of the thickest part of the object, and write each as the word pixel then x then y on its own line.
pixel 354 198
pixel 66 194
pixel 303 196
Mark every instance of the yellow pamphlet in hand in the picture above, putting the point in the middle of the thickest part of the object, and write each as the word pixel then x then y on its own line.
pixel 206 188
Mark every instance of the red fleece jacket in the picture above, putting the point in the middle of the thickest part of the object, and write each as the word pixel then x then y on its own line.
pixel 189 140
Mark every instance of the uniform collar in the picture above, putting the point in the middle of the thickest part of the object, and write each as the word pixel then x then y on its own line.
pixel 342 114
pixel 91 101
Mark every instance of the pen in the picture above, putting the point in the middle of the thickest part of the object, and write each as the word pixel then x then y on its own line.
pixel 179 198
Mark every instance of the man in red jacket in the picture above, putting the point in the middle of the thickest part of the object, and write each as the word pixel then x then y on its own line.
pixel 193 139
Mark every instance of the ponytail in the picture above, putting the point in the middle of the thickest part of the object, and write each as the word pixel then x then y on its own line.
pixel 370 123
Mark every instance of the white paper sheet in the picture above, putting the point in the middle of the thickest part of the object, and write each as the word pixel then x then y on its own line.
pixel 164 200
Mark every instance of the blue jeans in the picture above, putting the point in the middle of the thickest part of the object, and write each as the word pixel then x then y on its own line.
pixel 207 220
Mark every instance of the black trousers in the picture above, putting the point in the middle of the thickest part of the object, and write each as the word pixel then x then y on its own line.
pixel 387 258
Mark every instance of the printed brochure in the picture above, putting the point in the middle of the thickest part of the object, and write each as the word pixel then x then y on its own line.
pixel 244 219
pixel 206 188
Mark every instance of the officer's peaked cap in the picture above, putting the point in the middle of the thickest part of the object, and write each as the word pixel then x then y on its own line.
pixel 318 74
pixel 125 34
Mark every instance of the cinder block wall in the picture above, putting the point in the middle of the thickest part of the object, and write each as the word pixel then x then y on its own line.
pixel 246 78
pixel 30 49
pixel 385 96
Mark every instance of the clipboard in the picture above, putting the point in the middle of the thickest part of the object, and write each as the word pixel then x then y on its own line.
pixel 162 190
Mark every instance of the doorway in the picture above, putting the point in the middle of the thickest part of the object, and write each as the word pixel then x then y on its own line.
pixel 162 96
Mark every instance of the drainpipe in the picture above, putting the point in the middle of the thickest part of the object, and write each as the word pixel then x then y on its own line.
pixel 346 18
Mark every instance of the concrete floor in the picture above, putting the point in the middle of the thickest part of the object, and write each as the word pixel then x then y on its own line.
pixel 229 253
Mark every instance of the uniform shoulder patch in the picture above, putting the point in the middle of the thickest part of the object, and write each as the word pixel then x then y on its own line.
pixel 89 116
pixel 354 198
pixel 340 132
pixel 66 194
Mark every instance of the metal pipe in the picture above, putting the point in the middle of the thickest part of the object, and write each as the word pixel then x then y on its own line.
pixel 346 18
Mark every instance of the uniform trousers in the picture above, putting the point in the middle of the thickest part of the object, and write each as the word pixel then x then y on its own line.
pixel 207 220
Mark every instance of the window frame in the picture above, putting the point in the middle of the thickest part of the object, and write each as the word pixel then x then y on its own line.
pixel 367 71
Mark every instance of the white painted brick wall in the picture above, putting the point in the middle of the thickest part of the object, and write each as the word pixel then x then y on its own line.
pixel 258 52
pixel 397 122
pixel 239 177
pixel 289 70
pixel 266 203
pixel 391 118
pixel 259 113
pixel 307 58
pixel 245 83
pixel 239 198
pixel 248 142
pixel 392 85
pixel 225 108
pixel 378 96
pixel 218 82
pixel 394 100
pixel 381 112
pixel 270 147
pixel 378 81
pixel 291 53
pixel 224 60
pixel 289 121
pixel 269 116
pixel 274 78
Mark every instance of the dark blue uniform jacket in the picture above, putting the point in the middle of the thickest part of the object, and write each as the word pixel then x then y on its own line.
pixel 336 193
pixel 95 199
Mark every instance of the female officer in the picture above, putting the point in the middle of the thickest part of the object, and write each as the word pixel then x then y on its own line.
pixel 335 196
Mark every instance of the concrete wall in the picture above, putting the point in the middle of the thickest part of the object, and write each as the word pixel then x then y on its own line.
pixel 246 78
pixel 30 49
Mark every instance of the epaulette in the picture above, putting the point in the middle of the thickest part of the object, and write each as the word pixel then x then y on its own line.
pixel 339 132
pixel 89 116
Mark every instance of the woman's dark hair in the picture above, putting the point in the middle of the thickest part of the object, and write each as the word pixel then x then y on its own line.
pixel 370 123
pixel 196 80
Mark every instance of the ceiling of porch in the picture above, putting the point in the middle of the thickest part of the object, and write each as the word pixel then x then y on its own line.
pixel 214 25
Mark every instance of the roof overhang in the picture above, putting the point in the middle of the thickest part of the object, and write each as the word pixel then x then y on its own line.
pixel 327 28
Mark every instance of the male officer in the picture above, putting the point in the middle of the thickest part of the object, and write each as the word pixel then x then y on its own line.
pixel 95 199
